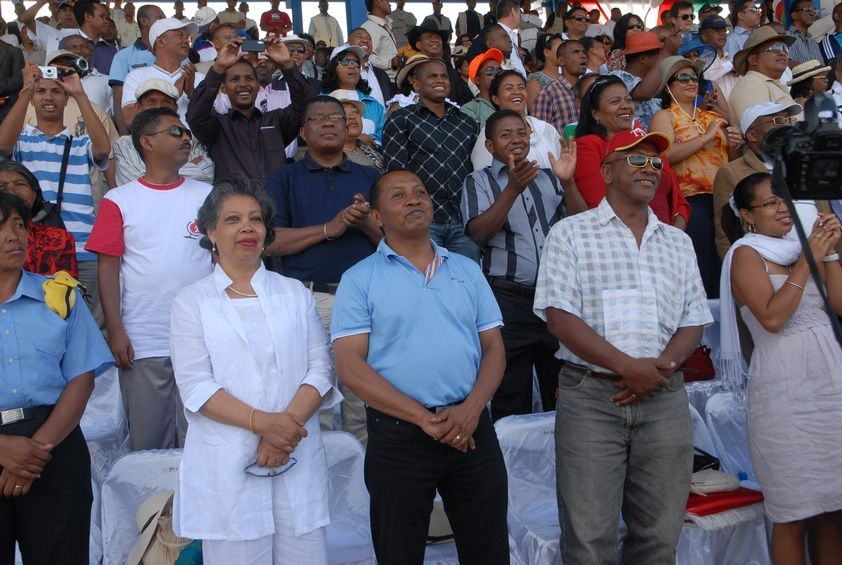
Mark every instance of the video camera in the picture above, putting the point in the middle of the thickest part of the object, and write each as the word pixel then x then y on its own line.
pixel 810 152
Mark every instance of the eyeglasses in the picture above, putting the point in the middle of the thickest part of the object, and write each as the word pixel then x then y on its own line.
pixel 349 62
pixel 298 49
pixel 784 120
pixel 255 470
pixel 490 71
pixel 777 49
pixel 175 131
pixel 639 161
pixel 686 16
pixel 319 118
pixel 581 18
pixel 752 10
pixel 806 10
pixel 636 26
pixel 685 78
pixel 773 204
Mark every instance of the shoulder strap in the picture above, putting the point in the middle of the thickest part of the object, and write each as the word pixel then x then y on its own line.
pixel 63 173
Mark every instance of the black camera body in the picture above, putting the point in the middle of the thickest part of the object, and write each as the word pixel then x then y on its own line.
pixel 78 66
pixel 811 152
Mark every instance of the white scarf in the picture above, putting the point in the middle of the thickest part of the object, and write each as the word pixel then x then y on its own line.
pixel 732 364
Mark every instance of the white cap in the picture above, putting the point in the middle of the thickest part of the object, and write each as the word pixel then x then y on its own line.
pixel 766 109
pixel 292 38
pixel 161 27
pixel 157 84
pixel 355 49
pixel 204 16
pixel 349 97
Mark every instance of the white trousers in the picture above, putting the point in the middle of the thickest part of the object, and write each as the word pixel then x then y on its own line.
pixel 282 548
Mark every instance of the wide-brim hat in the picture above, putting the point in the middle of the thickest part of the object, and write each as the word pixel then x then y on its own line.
pixel 411 64
pixel 346 96
pixel 415 33
pixel 641 42
pixel 671 65
pixel 763 34
pixel 807 69
pixel 626 140
pixel 147 522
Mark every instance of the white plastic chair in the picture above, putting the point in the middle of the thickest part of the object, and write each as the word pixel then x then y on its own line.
pixel 130 481
pixel 104 424
pixel 726 419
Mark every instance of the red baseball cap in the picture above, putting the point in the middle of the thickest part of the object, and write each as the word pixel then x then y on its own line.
pixel 490 55
pixel 626 140
pixel 641 42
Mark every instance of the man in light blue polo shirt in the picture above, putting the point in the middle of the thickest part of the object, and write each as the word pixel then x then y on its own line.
pixel 416 334
pixel 133 57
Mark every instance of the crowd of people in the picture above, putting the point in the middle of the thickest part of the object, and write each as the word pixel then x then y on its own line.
pixel 260 227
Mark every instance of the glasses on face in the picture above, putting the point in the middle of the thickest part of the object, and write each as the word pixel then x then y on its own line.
pixel 806 10
pixel 638 27
pixel 581 19
pixel 686 16
pixel 777 49
pixel 772 204
pixel 685 78
pixel 751 10
pixel 175 131
pixel 349 62
pixel 297 49
pixel 490 71
pixel 319 118
pixel 784 120
pixel 639 161
pixel 255 470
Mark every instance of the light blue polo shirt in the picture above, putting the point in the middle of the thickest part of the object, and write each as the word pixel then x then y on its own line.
pixel 127 59
pixel 43 352
pixel 423 336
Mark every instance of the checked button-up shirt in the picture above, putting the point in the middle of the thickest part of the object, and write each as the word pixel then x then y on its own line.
pixel 556 104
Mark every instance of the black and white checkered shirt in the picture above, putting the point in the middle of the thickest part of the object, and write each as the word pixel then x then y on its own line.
pixel 438 150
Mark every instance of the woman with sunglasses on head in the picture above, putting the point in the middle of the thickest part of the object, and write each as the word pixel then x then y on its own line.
pixel 508 92
pixel 793 379
pixel 51 247
pixel 628 23
pixel 545 53
pixel 702 143
pixel 343 73
pixel 253 367
pixel 607 108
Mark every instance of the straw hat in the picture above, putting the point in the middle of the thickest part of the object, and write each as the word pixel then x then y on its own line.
pixel 807 69
pixel 409 66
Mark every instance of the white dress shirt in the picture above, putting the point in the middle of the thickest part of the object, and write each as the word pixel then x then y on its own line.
pixel 383 45
pixel 213 349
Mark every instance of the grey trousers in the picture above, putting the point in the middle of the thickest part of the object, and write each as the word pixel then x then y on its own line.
pixel 89 278
pixel 153 406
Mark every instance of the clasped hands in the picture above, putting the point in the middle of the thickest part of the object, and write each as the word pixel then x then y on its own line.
pixel 454 426
pixel 356 215
pixel 641 379
pixel 23 459
pixel 280 433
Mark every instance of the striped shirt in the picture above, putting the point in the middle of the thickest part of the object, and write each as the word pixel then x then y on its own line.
pixel 636 298
pixel 515 250
pixel 804 48
pixel 42 155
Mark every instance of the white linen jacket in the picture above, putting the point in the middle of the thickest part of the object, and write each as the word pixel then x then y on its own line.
pixel 214 497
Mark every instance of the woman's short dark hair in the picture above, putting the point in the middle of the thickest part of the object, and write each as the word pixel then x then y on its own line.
pixel 330 82
pixel 237 185
pixel 743 197
pixel 621 29
pixel 10 203
pixel 592 100
pixel 544 42
pixel 498 80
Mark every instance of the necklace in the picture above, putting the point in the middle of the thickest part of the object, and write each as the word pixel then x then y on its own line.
pixel 243 294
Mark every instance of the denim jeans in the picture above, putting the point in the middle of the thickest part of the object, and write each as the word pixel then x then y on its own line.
pixel 635 460
pixel 451 235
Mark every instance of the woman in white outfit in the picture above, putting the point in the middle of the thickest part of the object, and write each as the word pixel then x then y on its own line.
pixel 253 367
pixel 795 373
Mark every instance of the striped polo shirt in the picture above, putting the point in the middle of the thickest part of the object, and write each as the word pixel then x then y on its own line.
pixel 42 155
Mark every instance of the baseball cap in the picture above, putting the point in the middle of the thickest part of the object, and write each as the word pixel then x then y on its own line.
pixel 355 49
pixel 204 16
pixel 53 55
pixel 161 27
pixel 706 7
pixel 490 55
pixel 625 140
pixel 713 22
pixel 157 84
pixel 766 109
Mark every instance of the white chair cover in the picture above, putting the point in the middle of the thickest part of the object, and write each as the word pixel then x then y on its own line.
pixel 699 392
pixel 130 481
pixel 726 420
pixel 95 551
pixel 104 424
pixel 701 435
pixel 743 544
pixel 349 532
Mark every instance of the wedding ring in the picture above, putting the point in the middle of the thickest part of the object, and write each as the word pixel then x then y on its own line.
pixel 458 437
pixel 17 487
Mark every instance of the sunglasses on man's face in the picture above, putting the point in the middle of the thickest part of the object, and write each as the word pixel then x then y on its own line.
pixel 806 10
pixel 639 161
pixel 685 78
pixel 686 16
pixel 776 49
pixel 297 49
pixel 349 62
pixel 175 131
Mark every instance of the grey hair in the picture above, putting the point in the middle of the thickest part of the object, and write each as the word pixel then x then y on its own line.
pixel 238 185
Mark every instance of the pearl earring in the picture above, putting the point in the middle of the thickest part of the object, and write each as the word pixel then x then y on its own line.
pixel 214 250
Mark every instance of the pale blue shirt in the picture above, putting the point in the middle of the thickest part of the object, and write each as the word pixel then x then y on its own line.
pixel 41 352
pixel 423 334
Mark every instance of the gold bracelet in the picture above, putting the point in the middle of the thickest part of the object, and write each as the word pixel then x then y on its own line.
pixel 798 286
pixel 251 420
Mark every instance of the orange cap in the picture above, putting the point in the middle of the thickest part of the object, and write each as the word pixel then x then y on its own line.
pixel 490 55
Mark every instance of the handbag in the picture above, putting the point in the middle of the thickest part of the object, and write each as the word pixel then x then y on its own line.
pixel 50 214
pixel 156 543
pixel 699 366
pixel 703 460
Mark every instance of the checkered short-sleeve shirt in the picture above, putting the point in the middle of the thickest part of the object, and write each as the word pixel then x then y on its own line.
pixel 636 298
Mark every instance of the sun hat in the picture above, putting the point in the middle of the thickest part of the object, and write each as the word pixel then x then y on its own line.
pixel 671 65
pixel 355 49
pixel 351 97
pixel 411 64
pixel 642 42
pixel 156 84
pixel 763 34
pixel 807 69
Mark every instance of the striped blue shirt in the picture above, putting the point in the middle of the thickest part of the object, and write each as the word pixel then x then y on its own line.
pixel 42 155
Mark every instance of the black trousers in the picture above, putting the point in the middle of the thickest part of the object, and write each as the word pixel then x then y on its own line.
pixel 528 344
pixel 52 523
pixel 404 467
pixel 702 233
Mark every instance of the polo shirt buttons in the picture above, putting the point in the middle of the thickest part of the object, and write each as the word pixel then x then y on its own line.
pixel 3 310
pixel 11 359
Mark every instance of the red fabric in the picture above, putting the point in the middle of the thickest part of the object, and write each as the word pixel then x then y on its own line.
pixel 170 186
pixel 50 250
pixel 667 201
pixel 722 501
pixel 107 234
pixel 274 20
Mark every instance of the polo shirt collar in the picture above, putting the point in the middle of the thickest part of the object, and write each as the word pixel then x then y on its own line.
pixel 140 45
pixel 378 20
pixel 85 35
pixel 221 280
pixel 29 286
pixel 384 249
pixel 605 213
pixel 311 165
pixel 63 133
pixel 497 167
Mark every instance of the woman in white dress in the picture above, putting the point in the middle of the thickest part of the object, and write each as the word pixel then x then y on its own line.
pixel 795 372
pixel 253 367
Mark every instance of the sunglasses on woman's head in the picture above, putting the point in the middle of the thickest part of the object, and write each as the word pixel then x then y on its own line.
pixel 349 62
pixel 685 78
pixel 175 131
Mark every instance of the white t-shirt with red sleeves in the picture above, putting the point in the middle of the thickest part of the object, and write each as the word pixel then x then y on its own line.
pixel 152 228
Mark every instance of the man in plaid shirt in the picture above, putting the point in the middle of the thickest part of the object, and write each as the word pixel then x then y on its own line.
pixel 556 103
pixel 433 139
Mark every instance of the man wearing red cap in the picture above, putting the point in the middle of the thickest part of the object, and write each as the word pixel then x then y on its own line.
pixel 482 70
pixel 622 293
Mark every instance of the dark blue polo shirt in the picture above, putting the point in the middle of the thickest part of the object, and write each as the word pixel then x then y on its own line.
pixel 307 194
